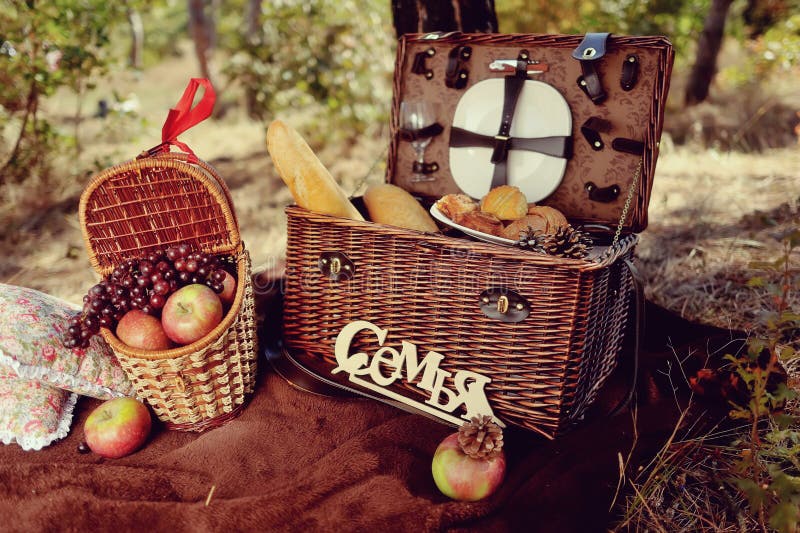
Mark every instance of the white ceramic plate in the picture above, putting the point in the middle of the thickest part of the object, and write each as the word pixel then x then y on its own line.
pixel 541 112
pixel 595 252
pixel 438 215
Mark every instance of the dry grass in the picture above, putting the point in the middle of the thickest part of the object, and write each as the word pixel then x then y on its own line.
pixel 712 215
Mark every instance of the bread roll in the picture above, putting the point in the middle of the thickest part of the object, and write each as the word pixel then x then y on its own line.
pixel 452 205
pixel 312 186
pixel 540 219
pixel 537 224
pixel 505 202
pixel 554 218
pixel 389 204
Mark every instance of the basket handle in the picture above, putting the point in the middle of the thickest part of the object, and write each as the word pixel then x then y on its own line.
pixel 183 117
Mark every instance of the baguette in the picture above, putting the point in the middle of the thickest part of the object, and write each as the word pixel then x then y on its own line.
pixel 311 184
pixel 389 204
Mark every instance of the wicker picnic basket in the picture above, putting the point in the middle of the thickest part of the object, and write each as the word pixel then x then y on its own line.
pixel 441 318
pixel 426 289
pixel 150 203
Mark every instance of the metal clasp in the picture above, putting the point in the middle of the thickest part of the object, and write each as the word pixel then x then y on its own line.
pixel 502 144
pixel 504 304
pixel 336 265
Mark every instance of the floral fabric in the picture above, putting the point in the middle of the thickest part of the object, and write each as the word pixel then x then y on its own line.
pixel 33 414
pixel 31 326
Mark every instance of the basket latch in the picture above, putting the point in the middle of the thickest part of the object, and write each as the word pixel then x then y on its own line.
pixel 504 304
pixel 336 265
pixel 589 53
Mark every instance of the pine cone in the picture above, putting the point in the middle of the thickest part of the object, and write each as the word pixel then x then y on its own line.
pixel 481 437
pixel 530 239
pixel 567 242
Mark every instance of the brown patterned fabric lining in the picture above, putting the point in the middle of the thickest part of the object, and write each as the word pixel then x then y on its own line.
pixel 636 114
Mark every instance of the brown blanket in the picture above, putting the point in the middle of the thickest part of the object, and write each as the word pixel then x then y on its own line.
pixel 298 461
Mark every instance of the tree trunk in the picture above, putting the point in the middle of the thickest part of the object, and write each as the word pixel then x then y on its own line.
pixel 137 38
pixel 708 46
pixel 201 28
pixel 478 16
pixel 253 32
pixel 423 16
pixel 30 111
pixel 760 15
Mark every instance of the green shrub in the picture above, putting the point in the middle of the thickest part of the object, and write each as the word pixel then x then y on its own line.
pixel 333 59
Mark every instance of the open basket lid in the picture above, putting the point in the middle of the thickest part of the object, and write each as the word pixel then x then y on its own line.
pixel 160 198
pixel 609 165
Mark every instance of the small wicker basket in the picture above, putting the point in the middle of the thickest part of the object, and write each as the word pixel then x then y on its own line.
pixel 150 203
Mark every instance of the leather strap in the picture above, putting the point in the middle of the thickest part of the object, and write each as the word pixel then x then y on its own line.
pixel 420 66
pixel 552 146
pixel 639 320
pixel 457 73
pixel 630 72
pixel 591 50
pixel 602 194
pixel 629 146
pixel 591 131
pixel 513 88
pixel 428 131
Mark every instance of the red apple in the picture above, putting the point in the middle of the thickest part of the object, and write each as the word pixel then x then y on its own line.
pixel 117 427
pixel 140 330
pixel 191 313
pixel 228 293
pixel 461 477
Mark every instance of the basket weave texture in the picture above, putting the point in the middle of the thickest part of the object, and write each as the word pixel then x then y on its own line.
pixel 424 288
pixel 151 203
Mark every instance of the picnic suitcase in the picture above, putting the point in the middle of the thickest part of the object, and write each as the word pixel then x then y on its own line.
pixel 452 327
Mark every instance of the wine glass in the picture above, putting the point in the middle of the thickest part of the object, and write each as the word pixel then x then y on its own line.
pixel 416 115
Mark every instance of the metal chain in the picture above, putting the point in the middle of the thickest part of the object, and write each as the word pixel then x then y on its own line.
pixel 627 205
pixel 364 179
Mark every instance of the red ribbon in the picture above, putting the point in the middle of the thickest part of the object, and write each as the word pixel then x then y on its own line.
pixel 183 116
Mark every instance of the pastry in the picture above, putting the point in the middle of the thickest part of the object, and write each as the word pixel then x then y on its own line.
pixel 505 202
pixel 389 204
pixel 534 222
pixel 480 221
pixel 555 219
pixel 452 205
pixel 312 186
pixel 540 219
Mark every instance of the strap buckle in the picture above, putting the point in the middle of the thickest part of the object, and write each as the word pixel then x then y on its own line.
pixel 502 144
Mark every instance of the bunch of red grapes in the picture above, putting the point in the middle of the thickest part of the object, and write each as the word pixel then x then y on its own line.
pixel 143 284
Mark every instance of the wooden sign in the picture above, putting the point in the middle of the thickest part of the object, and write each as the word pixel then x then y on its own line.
pixel 425 374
